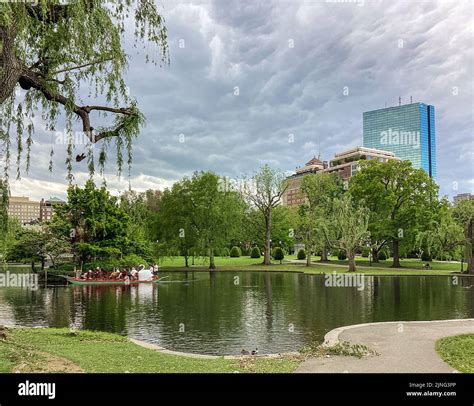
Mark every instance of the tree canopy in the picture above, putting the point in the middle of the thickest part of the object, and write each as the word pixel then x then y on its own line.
pixel 401 201
pixel 68 58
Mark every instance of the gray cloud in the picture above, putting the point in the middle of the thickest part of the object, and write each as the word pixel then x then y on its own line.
pixel 289 90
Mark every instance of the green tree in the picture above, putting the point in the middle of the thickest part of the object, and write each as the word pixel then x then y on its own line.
pixel 217 212
pixel 444 235
pixel 94 221
pixel 173 226
pixel 463 213
pixel 264 191
pixel 347 229
pixel 320 189
pixel 201 213
pixel 53 49
pixel 38 244
pixel 8 237
pixel 401 201
pixel 282 231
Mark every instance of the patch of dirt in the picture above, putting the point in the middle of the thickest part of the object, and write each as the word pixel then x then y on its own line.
pixel 49 364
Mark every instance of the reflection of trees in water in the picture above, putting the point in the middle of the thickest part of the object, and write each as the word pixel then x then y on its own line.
pixel 42 307
pixel 104 307
pixel 420 298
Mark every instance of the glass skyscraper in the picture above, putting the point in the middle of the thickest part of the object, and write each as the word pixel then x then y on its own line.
pixel 407 130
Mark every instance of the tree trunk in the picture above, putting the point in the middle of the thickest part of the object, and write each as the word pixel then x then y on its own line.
pixel 186 260
pixel 396 254
pixel 470 248
pixel 375 255
pixel 268 228
pixel 324 254
pixel 10 68
pixel 212 264
pixel 308 257
pixel 352 264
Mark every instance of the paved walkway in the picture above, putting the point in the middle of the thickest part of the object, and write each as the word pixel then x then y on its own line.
pixel 402 347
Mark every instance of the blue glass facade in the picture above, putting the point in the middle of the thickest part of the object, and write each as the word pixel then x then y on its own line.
pixel 408 131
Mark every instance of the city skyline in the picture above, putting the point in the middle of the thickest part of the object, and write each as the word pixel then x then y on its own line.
pixel 265 84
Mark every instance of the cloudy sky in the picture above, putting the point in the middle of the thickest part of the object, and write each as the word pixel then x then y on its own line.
pixel 248 77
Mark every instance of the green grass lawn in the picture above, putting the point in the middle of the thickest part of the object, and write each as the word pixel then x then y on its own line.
pixel 59 350
pixel 458 351
pixel 409 266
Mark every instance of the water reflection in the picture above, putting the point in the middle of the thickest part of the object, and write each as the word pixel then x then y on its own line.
pixel 213 314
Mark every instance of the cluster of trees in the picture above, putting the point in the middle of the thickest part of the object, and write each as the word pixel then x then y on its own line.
pixel 387 209
pixel 93 226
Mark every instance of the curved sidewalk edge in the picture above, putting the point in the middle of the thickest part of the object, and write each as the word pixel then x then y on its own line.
pixel 332 337
pixel 403 347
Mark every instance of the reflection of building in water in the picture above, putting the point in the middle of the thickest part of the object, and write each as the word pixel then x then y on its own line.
pixel 367 294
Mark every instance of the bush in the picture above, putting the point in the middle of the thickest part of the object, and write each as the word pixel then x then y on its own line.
pixel 235 252
pixel 217 252
pixel 382 256
pixel 132 260
pixel 301 254
pixel 425 256
pixel 225 252
pixel 255 253
pixel 278 254
pixel 245 252
pixel 341 256
pixel 365 252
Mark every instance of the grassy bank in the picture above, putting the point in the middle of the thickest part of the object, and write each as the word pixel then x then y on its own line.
pixel 59 350
pixel 409 266
pixel 458 351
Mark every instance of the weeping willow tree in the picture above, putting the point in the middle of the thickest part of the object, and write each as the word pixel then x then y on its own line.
pixel 66 59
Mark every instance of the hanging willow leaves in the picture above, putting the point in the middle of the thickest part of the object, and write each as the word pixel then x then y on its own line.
pixel 54 51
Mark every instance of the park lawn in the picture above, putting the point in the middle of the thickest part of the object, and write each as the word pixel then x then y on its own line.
pixel 200 262
pixel 409 266
pixel 61 350
pixel 457 351
pixel 404 262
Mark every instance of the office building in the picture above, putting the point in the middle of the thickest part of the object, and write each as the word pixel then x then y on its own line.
pixel 24 209
pixel 47 207
pixel 407 130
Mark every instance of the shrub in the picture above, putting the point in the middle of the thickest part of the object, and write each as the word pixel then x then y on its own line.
pixel 235 252
pixel 245 252
pixel 365 252
pixel 217 252
pixel 255 253
pixel 132 260
pixel 382 256
pixel 425 256
pixel 278 254
pixel 341 256
pixel 301 254
pixel 225 252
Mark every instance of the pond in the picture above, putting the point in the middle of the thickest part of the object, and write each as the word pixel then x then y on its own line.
pixel 223 313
